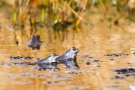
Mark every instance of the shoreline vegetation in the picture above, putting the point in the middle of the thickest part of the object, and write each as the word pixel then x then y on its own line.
pixel 57 17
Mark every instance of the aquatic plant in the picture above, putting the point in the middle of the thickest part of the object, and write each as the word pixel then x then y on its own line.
pixel 58 15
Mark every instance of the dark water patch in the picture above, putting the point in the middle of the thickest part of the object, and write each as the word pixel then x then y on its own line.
pixel 131 64
pixel 118 77
pixel 127 75
pixel 124 70
pixel 86 57
pixel 2 63
pixel 128 63
pixel 88 63
pixel 68 75
pixel 17 63
pixel 127 72
pixel 79 87
pixel 49 82
pixel 97 61
pixel 111 59
pixel 134 53
pixel 16 42
pixel 40 69
pixel 74 73
pixel 54 82
pixel 20 58
pixel 58 76
pixel 22 75
pixel 15 58
pixel 22 63
pixel 49 69
pixel 116 54
pixel 62 76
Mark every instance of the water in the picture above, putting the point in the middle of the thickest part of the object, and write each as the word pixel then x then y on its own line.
pixel 93 44
pixel 96 69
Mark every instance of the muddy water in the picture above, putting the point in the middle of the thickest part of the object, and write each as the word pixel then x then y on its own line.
pixel 97 59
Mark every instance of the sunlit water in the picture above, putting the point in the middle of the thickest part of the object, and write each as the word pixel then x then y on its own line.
pixel 93 43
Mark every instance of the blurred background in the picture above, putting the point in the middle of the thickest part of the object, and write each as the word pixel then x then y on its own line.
pixel 57 18
pixel 103 31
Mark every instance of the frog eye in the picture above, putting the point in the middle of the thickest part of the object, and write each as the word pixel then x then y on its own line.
pixel 33 36
pixel 54 54
pixel 73 48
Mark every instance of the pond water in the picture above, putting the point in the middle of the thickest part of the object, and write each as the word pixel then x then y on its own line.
pixel 103 51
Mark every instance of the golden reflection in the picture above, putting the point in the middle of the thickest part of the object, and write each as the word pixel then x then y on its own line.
pixel 96 76
pixel 95 43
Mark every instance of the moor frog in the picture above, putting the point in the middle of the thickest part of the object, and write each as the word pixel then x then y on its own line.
pixel 48 63
pixel 69 58
pixel 35 42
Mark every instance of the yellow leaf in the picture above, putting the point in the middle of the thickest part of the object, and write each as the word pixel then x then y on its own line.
pixel 78 22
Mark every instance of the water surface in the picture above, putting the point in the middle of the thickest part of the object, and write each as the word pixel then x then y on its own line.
pixel 96 69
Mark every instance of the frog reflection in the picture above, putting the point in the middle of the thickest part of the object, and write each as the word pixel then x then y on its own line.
pixel 69 58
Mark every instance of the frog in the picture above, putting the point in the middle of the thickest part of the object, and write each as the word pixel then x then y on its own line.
pixel 49 62
pixel 69 58
pixel 35 42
